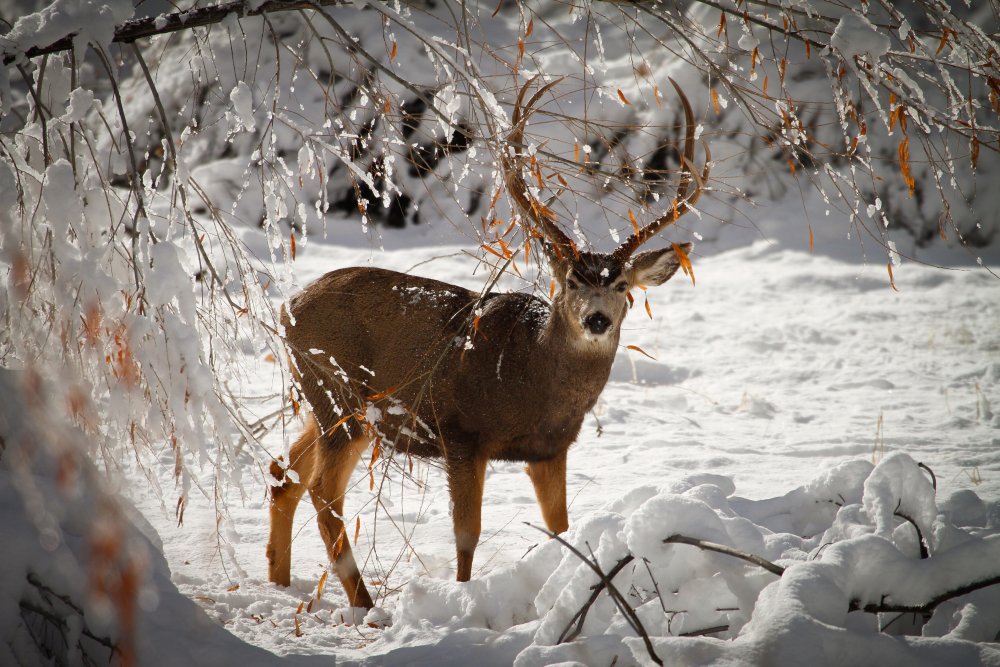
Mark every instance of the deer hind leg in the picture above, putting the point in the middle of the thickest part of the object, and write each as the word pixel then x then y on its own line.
pixel 336 460
pixel 284 500
pixel 549 480
pixel 465 481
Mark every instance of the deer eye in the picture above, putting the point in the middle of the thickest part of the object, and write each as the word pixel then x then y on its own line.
pixel 622 287
pixel 571 284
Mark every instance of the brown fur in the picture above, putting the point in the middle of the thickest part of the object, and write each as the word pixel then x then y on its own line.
pixel 397 342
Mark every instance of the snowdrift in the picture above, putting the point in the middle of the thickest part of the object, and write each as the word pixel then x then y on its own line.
pixel 847 542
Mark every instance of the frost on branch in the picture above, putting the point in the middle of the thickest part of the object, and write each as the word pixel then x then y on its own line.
pixel 117 291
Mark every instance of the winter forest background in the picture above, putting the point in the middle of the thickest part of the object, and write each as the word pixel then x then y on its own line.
pixel 819 400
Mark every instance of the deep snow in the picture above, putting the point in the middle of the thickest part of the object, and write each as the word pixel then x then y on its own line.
pixel 773 373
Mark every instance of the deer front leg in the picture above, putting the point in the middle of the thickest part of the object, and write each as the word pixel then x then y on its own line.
pixel 465 481
pixel 549 480
pixel 284 500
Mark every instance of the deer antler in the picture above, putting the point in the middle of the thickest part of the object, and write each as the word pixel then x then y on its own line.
pixel 511 164
pixel 682 202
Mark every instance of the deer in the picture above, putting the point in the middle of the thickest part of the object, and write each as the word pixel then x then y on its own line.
pixel 437 371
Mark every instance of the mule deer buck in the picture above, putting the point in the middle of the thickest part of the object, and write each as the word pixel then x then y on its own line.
pixel 366 337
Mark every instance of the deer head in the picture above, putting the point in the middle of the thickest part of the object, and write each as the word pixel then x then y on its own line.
pixel 593 287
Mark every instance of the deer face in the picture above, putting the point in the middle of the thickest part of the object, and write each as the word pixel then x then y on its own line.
pixel 594 287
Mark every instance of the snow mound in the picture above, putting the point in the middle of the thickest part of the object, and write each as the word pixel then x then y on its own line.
pixel 872 555
pixel 83 577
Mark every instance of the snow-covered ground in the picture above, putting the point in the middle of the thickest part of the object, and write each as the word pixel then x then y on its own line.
pixel 774 369
pixel 786 406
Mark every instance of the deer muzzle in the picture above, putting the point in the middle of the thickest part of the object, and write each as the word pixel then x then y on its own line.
pixel 597 323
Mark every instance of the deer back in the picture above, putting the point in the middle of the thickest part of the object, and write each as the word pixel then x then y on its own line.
pixel 437 371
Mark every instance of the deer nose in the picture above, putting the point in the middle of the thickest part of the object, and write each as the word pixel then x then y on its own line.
pixel 597 323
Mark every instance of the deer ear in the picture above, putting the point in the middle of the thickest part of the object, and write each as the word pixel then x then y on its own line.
pixel 655 267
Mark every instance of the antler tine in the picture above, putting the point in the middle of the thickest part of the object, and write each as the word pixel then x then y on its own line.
pixel 517 189
pixel 682 202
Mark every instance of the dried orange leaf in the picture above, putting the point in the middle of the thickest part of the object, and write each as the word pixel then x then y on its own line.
pixel 357 529
pixel 892 283
pixel 339 546
pixel 715 101
pixel 810 239
pixel 649 311
pixel 622 97
pixel 234 587
pixel 301 607
pixel 904 164
pixel 635 223
pixel 944 41
pixel 530 28
pixel 490 250
pixel 684 260
pixel 392 56
pixel 383 394
pixel 292 237
pixel 640 351
pixel 321 585
pixel 298 628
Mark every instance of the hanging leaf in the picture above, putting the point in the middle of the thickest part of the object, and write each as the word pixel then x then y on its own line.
pixel 357 529
pixel 904 164
pixel 640 351
pixel 635 223
pixel 892 282
pixel 321 584
pixel 622 97
pixel 684 260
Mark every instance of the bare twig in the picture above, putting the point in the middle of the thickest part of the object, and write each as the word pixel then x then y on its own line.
pixel 729 551
pixel 616 595
pixel 929 606
pixel 571 633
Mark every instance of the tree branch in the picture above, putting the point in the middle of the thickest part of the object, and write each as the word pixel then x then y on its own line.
pixel 164 24
pixel 729 551
pixel 927 607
